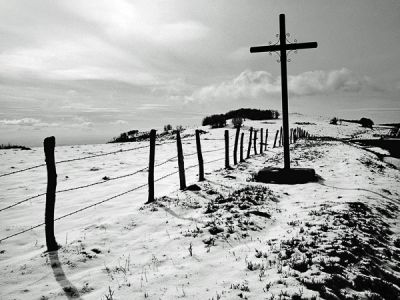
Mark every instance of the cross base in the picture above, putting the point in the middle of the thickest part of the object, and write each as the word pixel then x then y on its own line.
pixel 286 176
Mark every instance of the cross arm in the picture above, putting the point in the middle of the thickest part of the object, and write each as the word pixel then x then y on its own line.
pixel 272 48
pixel 265 48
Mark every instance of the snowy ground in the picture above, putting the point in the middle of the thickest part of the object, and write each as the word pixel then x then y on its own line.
pixel 226 238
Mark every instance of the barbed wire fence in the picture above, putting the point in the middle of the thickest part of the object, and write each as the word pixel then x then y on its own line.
pixel 295 134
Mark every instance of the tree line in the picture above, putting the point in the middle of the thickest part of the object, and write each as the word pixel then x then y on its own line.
pixel 219 120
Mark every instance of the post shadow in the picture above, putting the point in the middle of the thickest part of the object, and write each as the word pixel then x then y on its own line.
pixel 69 289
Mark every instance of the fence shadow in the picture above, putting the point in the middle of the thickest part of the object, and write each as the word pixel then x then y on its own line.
pixel 70 290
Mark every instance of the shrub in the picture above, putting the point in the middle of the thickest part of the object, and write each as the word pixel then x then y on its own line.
pixel 365 122
pixel 167 127
pixel 334 121
pixel 237 122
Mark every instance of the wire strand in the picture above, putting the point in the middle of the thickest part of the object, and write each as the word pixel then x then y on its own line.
pixel 86 185
pixel 103 201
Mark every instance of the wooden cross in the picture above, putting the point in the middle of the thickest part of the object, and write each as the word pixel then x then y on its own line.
pixel 283 47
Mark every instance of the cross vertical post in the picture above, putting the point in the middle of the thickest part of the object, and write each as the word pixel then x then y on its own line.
pixel 285 110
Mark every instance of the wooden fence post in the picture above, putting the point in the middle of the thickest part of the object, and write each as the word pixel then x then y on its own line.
pixel 266 138
pixel 249 148
pixel 276 136
pixel 151 165
pixel 181 164
pixel 280 137
pixel 199 156
pixel 49 144
pixel 241 147
pixel 261 140
pixel 294 135
pixel 227 149
pixel 236 145
pixel 255 142
pixel 291 136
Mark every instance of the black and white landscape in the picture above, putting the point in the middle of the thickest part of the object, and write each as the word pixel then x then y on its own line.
pixel 100 75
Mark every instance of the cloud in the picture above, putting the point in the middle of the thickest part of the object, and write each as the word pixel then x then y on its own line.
pixel 256 84
pixel 27 122
pixel 118 122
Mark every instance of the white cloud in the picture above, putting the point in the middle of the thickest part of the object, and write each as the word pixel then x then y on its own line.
pixel 251 84
pixel 27 122
pixel 118 122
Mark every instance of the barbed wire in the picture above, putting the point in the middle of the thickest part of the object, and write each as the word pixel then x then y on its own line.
pixel 103 201
pixel 22 170
pixel 86 185
pixel 102 182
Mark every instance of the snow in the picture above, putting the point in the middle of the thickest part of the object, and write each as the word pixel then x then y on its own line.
pixel 205 244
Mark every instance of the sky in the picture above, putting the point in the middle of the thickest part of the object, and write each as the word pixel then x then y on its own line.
pixel 87 70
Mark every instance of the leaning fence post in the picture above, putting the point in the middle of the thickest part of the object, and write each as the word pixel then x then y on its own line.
pixel 241 147
pixel 261 140
pixel 276 136
pixel 236 145
pixel 151 165
pixel 181 164
pixel 249 148
pixel 266 138
pixel 280 137
pixel 49 144
pixel 199 156
pixel 255 142
pixel 226 149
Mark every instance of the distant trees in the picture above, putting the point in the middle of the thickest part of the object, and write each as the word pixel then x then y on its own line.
pixel 253 114
pixel 365 122
pixel 137 136
pixel 11 146
pixel 216 121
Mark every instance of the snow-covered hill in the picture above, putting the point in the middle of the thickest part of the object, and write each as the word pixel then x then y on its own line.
pixel 226 238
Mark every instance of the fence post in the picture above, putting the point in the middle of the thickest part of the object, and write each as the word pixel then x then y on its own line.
pixel 266 138
pixel 227 149
pixel 49 144
pixel 249 148
pixel 280 137
pixel 276 136
pixel 199 156
pixel 151 165
pixel 291 136
pixel 181 164
pixel 236 145
pixel 255 142
pixel 294 135
pixel 241 147
pixel 261 140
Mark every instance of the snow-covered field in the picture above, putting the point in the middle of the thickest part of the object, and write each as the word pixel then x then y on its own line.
pixel 230 238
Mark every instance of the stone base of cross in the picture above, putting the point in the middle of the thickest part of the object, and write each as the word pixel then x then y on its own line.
pixel 287 174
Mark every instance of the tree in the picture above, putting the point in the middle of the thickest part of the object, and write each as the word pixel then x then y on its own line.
pixel 333 121
pixel 215 121
pixel 167 127
pixel 237 122
pixel 365 122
